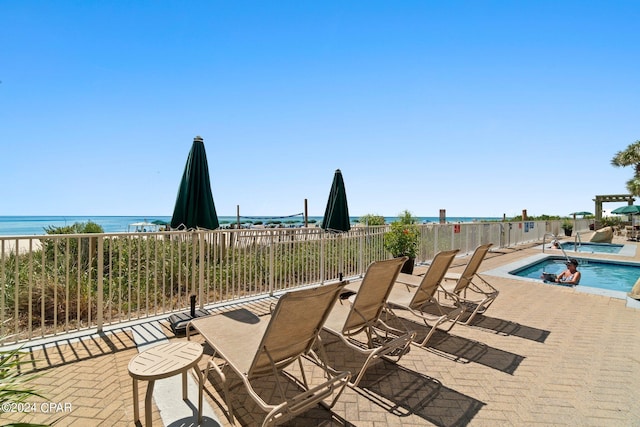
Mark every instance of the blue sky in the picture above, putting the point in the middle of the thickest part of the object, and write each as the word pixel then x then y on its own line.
pixel 482 108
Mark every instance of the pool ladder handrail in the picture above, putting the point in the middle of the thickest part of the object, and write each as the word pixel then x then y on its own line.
pixel 576 240
pixel 555 237
pixel 578 243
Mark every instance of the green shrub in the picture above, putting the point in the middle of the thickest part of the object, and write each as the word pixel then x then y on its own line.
pixel 610 221
pixel 371 219
pixel 402 239
pixel 76 228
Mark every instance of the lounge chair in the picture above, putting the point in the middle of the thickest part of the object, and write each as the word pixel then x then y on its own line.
pixel 418 295
pixel 255 347
pixel 475 293
pixel 357 320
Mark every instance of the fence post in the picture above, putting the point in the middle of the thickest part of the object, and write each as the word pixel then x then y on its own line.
pixel 361 252
pixel 100 296
pixel 322 234
pixel 271 262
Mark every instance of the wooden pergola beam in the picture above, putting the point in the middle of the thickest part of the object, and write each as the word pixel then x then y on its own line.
pixel 613 198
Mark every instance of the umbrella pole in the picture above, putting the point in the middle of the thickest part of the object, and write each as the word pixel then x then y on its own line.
pixel 201 264
pixel 179 321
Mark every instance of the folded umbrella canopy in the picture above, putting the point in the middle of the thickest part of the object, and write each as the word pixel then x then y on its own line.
pixel 336 215
pixel 194 205
pixel 194 209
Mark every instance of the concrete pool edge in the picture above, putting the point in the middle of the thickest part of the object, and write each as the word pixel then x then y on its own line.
pixel 626 250
pixel 503 272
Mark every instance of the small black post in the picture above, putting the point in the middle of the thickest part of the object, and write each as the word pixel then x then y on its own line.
pixel 193 306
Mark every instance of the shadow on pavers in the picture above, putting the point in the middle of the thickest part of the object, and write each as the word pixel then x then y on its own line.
pixel 247 412
pixel 509 328
pixel 459 349
pixel 464 350
pixel 403 392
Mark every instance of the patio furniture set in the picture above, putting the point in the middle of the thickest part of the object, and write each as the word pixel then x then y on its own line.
pixel 366 316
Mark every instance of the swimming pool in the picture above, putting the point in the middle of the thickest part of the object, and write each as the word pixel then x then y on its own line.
pixel 600 248
pixel 601 274
pixel 529 270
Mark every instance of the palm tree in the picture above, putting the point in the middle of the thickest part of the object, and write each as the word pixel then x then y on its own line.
pixel 630 157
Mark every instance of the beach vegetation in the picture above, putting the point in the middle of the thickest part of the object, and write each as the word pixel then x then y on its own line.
pixel 75 228
pixel 56 287
pixel 14 383
pixel 403 236
pixel 371 219
pixel 611 221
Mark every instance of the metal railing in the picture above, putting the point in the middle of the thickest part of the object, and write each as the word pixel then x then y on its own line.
pixel 58 284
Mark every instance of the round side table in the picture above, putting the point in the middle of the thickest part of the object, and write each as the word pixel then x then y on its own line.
pixel 163 361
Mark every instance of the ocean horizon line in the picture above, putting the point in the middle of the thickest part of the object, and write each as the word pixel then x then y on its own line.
pixel 26 225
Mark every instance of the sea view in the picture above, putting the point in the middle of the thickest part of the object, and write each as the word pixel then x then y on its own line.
pixel 35 225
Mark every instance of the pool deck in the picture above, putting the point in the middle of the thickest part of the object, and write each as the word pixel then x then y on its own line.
pixel 542 355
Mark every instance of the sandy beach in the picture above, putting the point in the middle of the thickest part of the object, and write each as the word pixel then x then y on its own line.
pixel 8 245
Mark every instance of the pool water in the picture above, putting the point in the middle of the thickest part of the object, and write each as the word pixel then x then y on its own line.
pixel 598 248
pixel 600 274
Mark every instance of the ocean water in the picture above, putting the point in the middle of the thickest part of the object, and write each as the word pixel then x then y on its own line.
pixel 35 225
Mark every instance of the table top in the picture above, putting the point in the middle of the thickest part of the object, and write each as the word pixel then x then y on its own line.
pixel 165 360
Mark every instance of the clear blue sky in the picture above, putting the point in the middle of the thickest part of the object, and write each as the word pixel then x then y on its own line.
pixel 482 108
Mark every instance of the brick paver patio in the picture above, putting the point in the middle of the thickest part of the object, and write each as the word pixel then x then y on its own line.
pixel 542 355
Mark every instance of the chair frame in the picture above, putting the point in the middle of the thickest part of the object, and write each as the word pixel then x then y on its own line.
pixel 362 314
pixel 423 303
pixel 274 353
pixel 471 289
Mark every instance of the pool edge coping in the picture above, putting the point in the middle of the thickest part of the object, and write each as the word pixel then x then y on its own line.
pixel 503 272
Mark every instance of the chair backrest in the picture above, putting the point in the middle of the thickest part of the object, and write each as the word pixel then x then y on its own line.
pixel 433 277
pixel 472 267
pixel 294 326
pixel 373 293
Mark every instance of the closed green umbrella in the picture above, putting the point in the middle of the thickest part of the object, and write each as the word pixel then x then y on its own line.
pixel 336 215
pixel 194 205
pixel 194 209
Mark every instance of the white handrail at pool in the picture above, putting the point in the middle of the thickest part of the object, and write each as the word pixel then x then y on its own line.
pixel 555 237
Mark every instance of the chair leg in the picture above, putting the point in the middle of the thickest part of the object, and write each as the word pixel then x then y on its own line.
pixel 225 387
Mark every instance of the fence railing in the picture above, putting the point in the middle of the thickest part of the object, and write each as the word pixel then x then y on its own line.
pixel 57 284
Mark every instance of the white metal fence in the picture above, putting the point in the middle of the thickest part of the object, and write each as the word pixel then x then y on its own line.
pixel 56 284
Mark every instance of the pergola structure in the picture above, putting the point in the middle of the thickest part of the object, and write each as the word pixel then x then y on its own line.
pixel 611 198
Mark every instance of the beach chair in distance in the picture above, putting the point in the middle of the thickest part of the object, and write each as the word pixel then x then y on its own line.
pixel 418 295
pixel 356 318
pixel 256 347
pixel 472 291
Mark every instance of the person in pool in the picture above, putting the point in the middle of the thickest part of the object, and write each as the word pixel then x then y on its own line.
pixel 571 276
